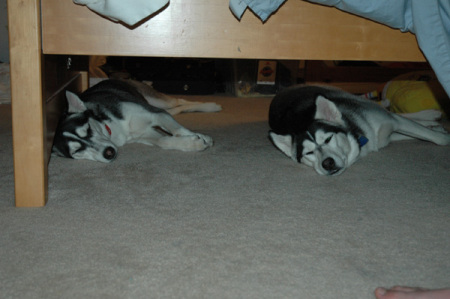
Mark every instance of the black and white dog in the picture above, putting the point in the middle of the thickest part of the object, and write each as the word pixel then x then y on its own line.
pixel 115 112
pixel 330 129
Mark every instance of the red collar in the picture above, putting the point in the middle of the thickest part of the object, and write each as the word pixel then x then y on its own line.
pixel 108 129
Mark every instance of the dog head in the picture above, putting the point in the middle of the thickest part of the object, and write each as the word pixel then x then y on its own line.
pixel 82 134
pixel 327 144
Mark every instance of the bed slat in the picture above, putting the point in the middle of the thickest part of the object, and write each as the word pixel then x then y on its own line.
pixel 207 28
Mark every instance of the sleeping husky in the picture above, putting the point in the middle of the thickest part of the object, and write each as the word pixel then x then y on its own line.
pixel 114 112
pixel 330 129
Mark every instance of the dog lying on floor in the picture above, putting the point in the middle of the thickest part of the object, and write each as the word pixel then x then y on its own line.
pixel 329 129
pixel 115 112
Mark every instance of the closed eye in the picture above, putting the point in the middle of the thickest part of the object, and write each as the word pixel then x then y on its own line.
pixel 309 153
pixel 74 147
pixel 328 139
pixel 78 150
pixel 84 131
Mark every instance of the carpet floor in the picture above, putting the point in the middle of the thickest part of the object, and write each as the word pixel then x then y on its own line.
pixel 239 220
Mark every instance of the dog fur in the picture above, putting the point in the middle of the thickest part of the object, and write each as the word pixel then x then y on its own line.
pixel 116 112
pixel 329 129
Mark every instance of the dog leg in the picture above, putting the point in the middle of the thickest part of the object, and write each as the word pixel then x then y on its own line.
pixel 428 118
pixel 425 115
pixel 181 138
pixel 171 104
pixel 176 106
pixel 195 142
pixel 399 137
pixel 187 106
pixel 413 129
pixel 169 124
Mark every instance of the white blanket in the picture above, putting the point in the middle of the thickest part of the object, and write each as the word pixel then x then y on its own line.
pixel 128 11
pixel 132 11
pixel 262 8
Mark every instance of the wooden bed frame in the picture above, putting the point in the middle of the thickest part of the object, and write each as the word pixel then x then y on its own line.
pixel 46 35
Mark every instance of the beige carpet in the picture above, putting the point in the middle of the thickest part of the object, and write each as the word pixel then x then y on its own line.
pixel 239 220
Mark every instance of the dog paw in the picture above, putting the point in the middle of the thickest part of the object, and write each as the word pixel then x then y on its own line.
pixel 210 107
pixel 431 114
pixel 438 128
pixel 195 143
pixel 201 142
pixel 444 139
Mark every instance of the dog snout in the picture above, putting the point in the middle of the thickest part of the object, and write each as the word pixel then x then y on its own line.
pixel 109 153
pixel 332 167
pixel 329 164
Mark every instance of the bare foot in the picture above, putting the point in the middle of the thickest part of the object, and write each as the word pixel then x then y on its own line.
pixel 411 293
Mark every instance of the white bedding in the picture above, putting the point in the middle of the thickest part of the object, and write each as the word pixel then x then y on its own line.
pixel 130 11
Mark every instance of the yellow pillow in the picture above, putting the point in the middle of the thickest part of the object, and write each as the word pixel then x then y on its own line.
pixel 413 92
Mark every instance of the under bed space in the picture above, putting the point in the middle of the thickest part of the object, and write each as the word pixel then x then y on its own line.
pixel 51 40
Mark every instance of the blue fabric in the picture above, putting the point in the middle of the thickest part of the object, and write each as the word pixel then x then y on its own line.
pixel 130 12
pixel 432 27
pixel 262 8
pixel 394 13
pixel 429 20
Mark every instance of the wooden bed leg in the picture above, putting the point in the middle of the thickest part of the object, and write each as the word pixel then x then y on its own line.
pixel 28 111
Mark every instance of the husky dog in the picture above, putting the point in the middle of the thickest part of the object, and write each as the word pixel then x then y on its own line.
pixel 329 129
pixel 115 112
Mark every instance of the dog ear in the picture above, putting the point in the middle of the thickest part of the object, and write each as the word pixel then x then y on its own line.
pixel 282 142
pixel 327 110
pixel 76 105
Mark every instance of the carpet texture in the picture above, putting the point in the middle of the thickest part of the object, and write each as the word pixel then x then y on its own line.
pixel 239 220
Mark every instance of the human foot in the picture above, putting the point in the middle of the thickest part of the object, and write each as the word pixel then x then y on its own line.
pixel 399 292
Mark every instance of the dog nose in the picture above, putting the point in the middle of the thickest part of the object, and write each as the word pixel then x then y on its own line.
pixel 328 164
pixel 109 153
